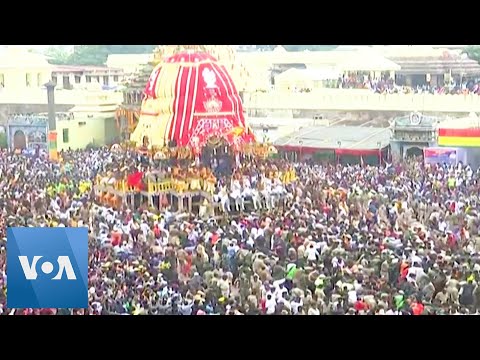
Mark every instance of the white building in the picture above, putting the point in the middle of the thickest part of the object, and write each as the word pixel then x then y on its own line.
pixel 69 76
pixel 21 70
pixel 129 63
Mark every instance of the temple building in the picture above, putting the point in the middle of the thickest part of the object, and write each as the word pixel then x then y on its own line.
pixel 413 133
pixel 421 65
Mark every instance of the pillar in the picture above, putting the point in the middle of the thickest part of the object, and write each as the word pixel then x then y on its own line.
pixel 180 203
pixel 71 79
pixel 51 106
pixel 52 122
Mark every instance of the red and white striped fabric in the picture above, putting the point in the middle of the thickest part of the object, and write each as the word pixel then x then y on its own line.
pixel 190 97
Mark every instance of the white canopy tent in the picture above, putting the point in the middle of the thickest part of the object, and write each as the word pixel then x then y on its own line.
pixel 367 61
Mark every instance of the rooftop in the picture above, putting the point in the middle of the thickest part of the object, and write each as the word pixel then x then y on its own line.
pixel 13 57
pixel 472 121
pixel 83 68
pixel 363 59
pixel 336 137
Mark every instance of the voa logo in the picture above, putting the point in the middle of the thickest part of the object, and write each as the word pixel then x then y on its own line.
pixel 64 268
pixel 47 267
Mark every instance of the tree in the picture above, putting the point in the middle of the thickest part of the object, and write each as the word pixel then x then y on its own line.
pixel 89 55
pixel 57 55
pixel 94 54
pixel 473 52
pixel 309 47
pixel 265 47
pixel 299 47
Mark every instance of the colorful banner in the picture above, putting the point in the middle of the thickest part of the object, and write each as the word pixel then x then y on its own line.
pixel 459 137
pixel 52 146
pixel 440 155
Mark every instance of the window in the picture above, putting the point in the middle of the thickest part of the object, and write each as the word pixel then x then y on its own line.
pixel 28 80
pixel 65 136
pixel 66 82
pixel 88 79
pixel 82 123
pixel 54 80
pixel 115 78
pixel 39 80
pixel 2 80
pixel 78 79
pixel 98 79
pixel 105 80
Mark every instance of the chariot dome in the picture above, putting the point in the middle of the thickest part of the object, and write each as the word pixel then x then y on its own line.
pixel 189 99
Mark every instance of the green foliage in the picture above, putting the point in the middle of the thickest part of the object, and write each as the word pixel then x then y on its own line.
pixel 57 55
pixel 299 47
pixel 473 52
pixel 310 47
pixel 97 54
pixel 265 47
pixel 3 141
pixel 94 54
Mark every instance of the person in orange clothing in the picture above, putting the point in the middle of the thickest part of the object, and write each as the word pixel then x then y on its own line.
pixel 116 238
pixel 404 270
pixel 417 307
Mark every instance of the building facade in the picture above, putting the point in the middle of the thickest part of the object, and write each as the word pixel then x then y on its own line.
pixel 27 132
pixel 22 71
pixel 87 125
pixel 69 77
pixel 411 134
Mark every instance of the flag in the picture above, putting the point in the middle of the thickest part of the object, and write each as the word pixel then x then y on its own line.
pixel 135 180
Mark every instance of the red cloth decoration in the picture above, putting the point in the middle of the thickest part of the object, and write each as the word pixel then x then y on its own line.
pixel 135 180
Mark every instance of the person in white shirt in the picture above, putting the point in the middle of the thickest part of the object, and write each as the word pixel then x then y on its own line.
pixel 352 297
pixel 312 253
pixel 442 226
pixel 314 310
pixel 295 304
pixel 145 228
pixel 280 290
pixel 270 304
pixel 393 312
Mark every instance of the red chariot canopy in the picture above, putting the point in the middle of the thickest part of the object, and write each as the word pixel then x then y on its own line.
pixel 190 98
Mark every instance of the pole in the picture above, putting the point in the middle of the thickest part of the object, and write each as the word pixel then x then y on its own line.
pixel 52 122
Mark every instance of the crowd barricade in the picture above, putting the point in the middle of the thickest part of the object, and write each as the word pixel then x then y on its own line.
pixel 155 187
pixel 120 185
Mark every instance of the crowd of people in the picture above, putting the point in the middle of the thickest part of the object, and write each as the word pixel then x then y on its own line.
pixel 387 85
pixel 396 239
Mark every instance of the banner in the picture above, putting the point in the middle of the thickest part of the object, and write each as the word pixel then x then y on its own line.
pixel 440 155
pixel 52 146
pixel 459 137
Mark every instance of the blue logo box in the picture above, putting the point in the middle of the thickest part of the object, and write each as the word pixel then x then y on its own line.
pixel 47 267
